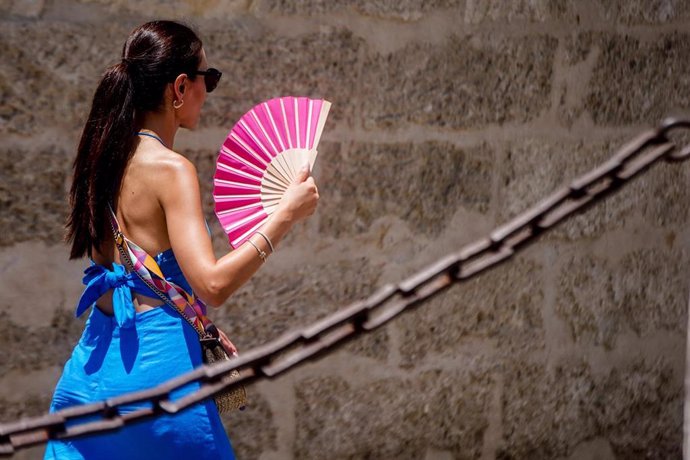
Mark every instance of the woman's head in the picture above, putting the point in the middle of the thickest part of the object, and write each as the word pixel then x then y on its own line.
pixel 161 58
pixel 158 72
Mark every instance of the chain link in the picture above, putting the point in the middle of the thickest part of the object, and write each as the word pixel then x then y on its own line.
pixel 293 348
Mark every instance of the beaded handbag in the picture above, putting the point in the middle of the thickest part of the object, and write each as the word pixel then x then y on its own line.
pixel 188 305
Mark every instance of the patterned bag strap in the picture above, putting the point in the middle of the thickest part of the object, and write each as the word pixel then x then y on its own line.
pixel 146 267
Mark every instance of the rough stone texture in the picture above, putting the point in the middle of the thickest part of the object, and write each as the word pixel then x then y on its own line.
pixel 579 57
pixel 509 312
pixel 32 405
pixel 578 46
pixel 467 82
pixel 546 414
pixel 649 286
pixel 251 431
pixel 273 303
pixel 641 409
pixel 621 90
pixel 449 116
pixel 598 300
pixel 33 199
pixel 383 419
pixel 533 169
pixel 165 9
pixel 473 12
pixel 22 8
pixel 408 10
pixel 34 348
pixel 645 11
pixel 521 10
pixel 49 80
pixel 260 65
pixel 367 181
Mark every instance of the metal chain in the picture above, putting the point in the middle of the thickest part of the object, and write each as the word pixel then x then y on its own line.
pixel 293 348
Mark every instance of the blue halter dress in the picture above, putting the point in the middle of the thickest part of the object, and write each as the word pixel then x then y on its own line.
pixel 132 351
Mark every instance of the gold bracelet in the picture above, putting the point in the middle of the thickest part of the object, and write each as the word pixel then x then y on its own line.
pixel 270 245
pixel 262 254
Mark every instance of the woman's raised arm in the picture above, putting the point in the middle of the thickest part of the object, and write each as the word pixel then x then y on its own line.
pixel 214 280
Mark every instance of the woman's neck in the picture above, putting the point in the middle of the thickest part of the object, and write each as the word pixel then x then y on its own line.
pixel 163 124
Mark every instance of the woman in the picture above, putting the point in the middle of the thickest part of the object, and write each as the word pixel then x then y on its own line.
pixel 132 340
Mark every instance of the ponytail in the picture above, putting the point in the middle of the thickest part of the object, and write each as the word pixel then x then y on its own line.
pixel 106 145
pixel 153 55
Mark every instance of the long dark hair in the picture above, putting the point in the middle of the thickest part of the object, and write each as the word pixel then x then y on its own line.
pixel 153 56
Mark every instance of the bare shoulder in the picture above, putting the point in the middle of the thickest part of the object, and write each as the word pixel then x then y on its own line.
pixel 177 182
pixel 167 169
pixel 174 165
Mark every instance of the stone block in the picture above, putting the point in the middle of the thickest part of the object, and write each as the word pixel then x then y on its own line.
pixel 36 348
pixel 478 12
pixel 49 72
pixel 421 184
pixel 637 81
pixel 578 59
pixel 644 11
pixel 534 169
pixel 253 430
pixel 411 10
pixel 503 304
pixel 372 345
pixel 650 288
pixel 645 292
pixel 180 10
pixel 407 10
pixel 578 46
pixel 637 408
pixel 173 9
pixel 33 194
pixel 545 414
pixel 259 66
pixel 640 408
pixel 31 405
pixel 466 82
pixel 22 8
pixel 585 301
pixel 393 417
pixel 273 303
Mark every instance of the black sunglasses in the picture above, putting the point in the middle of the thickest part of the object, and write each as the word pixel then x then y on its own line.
pixel 211 77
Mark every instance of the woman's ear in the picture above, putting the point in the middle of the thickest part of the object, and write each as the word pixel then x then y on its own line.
pixel 178 86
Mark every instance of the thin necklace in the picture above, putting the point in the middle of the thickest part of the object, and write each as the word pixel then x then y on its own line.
pixel 153 135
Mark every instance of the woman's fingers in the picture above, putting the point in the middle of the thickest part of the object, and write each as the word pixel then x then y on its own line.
pixel 225 341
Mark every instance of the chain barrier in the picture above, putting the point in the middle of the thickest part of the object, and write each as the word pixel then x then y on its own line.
pixel 297 346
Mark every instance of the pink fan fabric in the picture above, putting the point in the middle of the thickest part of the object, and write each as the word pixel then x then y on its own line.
pixel 260 135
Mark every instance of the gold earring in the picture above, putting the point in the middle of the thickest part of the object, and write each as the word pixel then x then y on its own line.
pixel 177 106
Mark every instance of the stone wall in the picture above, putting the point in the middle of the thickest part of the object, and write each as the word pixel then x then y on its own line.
pixel 449 117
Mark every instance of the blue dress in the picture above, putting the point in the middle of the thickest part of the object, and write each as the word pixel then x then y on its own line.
pixel 131 351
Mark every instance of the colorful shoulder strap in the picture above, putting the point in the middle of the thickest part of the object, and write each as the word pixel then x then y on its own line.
pixel 146 267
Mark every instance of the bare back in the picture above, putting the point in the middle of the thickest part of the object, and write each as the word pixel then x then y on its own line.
pixel 139 211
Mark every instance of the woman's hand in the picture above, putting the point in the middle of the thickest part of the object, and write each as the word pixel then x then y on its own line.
pixel 227 344
pixel 300 199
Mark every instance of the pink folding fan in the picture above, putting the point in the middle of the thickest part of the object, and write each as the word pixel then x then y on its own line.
pixel 260 158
